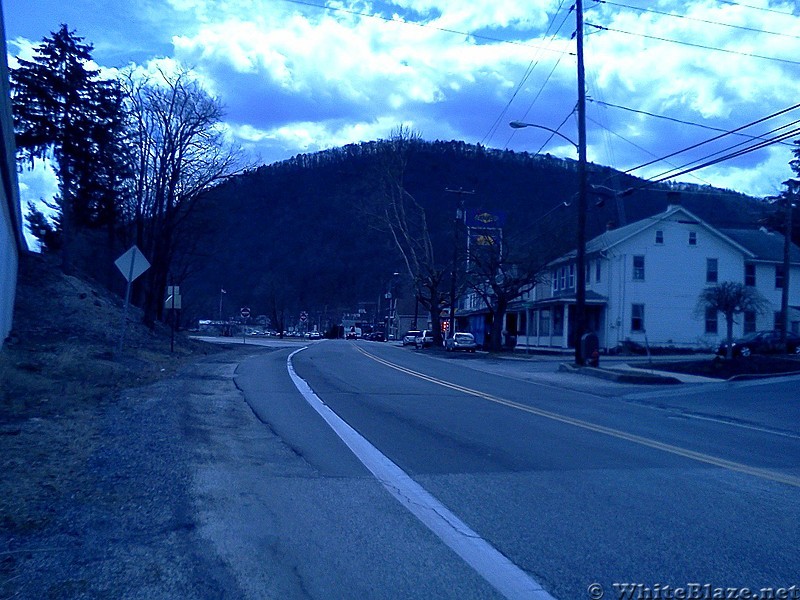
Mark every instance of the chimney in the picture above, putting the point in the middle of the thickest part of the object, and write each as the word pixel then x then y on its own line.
pixel 673 199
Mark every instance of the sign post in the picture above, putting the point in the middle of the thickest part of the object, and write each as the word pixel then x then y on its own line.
pixel 173 303
pixel 245 313
pixel 131 264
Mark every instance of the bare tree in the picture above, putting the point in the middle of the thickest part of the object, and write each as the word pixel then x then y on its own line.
pixel 731 298
pixel 181 152
pixel 502 269
pixel 404 218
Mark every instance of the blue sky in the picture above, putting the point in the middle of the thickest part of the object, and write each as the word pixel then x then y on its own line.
pixel 299 76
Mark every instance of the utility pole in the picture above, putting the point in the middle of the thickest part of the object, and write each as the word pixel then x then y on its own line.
pixel 580 258
pixel 460 216
pixel 791 194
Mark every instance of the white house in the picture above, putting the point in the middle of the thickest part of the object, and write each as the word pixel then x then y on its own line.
pixel 12 242
pixel 643 282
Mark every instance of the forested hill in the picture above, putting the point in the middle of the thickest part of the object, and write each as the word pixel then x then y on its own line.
pixel 294 234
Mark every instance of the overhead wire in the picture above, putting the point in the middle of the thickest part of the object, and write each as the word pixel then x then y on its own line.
pixel 696 19
pixel 762 8
pixel 693 45
pixel 672 119
pixel 732 152
pixel 423 25
pixel 709 163
pixel 528 72
pixel 715 138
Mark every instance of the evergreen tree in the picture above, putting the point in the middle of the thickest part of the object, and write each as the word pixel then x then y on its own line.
pixel 64 111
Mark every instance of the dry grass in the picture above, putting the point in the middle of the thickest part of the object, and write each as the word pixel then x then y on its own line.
pixel 58 373
pixel 62 351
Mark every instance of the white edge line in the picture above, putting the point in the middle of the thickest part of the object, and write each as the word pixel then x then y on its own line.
pixel 492 565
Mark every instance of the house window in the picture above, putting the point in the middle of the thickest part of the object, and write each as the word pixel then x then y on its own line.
pixel 637 317
pixel 712 273
pixel 555 280
pixel 571 276
pixel 749 321
pixel 659 237
pixel 563 278
pixel 638 268
pixel 588 273
pixel 532 323
pixel 693 238
pixel 778 277
pixel 750 275
pixel 597 271
pixel 544 322
pixel 711 320
pixel 522 325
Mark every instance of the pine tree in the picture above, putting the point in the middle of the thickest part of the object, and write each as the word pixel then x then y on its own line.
pixel 64 111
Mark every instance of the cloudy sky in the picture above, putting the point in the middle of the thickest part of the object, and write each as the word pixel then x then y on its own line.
pixel 296 76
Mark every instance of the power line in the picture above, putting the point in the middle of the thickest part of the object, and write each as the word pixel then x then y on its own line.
pixel 528 72
pixel 424 25
pixel 672 119
pixel 732 154
pixel 692 45
pixel 758 146
pixel 696 19
pixel 638 147
pixel 715 138
pixel 762 8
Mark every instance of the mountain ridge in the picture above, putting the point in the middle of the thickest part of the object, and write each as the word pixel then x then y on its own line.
pixel 296 231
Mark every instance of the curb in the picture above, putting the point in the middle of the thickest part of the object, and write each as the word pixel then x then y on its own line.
pixel 618 376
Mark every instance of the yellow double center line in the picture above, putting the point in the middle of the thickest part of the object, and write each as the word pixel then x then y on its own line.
pixel 615 433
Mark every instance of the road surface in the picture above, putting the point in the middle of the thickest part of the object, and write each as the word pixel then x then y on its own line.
pixel 582 487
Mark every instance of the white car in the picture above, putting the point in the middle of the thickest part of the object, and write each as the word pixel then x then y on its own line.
pixel 410 338
pixel 461 341
pixel 424 339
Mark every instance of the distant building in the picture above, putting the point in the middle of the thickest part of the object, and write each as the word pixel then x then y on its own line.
pixel 643 282
pixel 12 241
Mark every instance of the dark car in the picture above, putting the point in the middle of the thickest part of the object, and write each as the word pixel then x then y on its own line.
pixel 762 342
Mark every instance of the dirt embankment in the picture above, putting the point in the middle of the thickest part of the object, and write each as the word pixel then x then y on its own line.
pixel 60 379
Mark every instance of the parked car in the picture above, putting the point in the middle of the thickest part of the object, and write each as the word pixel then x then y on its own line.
pixel 461 341
pixel 762 342
pixel 410 338
pixel 424 339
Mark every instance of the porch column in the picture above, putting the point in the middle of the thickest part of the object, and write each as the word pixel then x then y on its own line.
pixel 565 337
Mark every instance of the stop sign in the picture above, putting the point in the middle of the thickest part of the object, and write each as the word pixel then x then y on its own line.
pixel 245 312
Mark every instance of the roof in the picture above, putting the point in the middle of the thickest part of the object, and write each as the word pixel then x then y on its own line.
pixel 764 245
pixel 756 244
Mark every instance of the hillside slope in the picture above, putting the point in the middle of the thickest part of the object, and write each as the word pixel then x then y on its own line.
pixel 299 229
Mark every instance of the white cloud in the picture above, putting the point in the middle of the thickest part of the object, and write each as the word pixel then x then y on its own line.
pixel 297 78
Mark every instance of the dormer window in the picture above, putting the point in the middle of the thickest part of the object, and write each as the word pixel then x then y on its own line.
pixel 659 237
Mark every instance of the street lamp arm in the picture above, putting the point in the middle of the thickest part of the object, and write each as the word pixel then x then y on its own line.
pixel 521 125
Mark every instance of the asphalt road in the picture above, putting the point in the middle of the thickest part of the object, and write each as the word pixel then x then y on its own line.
pixel 575 481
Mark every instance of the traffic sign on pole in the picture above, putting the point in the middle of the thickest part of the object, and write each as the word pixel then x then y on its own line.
pixel 245 312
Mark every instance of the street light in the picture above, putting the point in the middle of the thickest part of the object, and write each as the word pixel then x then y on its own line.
pixel 522 125
pixel 580 258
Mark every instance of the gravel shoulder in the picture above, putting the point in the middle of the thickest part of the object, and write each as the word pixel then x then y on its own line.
pixel 106 508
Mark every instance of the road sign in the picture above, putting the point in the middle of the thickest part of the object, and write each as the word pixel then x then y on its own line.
pixel 132 264
pixel 245 312
pixel 304 316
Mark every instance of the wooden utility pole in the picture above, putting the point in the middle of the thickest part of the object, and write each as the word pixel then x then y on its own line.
pixel 580 258
pixel 459 216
